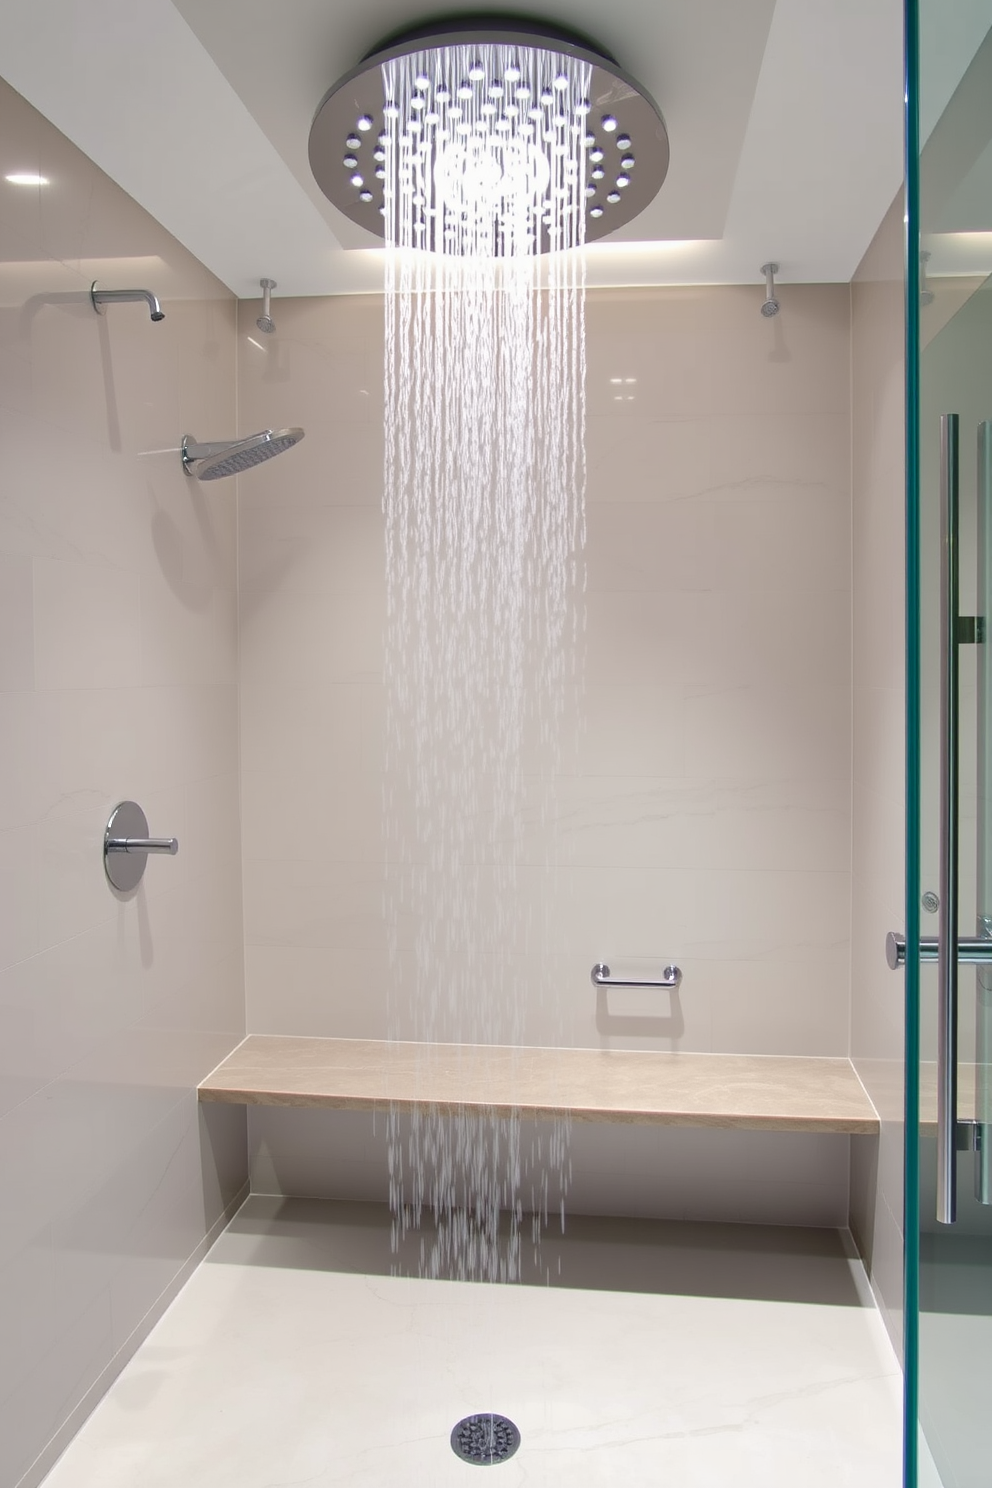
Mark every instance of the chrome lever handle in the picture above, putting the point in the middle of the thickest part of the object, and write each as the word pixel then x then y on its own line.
pixel 126 846
pixel 168 845
pixel 671 978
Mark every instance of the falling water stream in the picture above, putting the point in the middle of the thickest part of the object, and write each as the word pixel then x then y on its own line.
pixel 484 509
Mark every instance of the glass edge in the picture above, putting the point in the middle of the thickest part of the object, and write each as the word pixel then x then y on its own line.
pixel 911 1192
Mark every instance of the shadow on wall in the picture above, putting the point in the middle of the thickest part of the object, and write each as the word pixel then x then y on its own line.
pixel 780 351
pixel 864 1194
pixel 639 1025
pixel 81 302
pixel 223 1139
pixel 752 1262
pixel 191 576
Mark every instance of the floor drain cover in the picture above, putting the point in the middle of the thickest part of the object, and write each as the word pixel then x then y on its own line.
pixel 485 1439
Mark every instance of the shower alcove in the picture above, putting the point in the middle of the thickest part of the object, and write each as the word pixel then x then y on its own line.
pixel 705 815
pixel 169 1053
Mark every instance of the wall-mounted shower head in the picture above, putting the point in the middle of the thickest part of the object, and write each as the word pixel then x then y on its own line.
pixel 101 297
pixel 770 305
pixel 265 322
pixel 528 122
pixel 230 456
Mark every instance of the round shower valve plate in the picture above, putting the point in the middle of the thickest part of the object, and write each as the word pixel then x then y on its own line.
pixel 126 845
pixel 125 869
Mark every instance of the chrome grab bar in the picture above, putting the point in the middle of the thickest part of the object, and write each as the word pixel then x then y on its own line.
pixel 947 922
pixel 671 977
pixel 973 950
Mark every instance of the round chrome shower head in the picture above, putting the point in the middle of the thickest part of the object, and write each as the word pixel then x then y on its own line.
pixel 231 456
pixel 265 322
pixel 475 79
pixel 770 307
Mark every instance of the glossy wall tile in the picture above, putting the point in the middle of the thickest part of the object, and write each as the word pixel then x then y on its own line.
pixel 702 812
pixel 118 655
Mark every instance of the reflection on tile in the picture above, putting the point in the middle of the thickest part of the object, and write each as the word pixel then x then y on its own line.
pixel 722 457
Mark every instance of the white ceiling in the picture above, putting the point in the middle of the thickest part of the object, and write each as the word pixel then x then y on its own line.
pixel 785 120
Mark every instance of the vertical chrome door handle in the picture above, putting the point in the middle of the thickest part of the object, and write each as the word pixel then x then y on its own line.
pixel 947 921
pixel 983 877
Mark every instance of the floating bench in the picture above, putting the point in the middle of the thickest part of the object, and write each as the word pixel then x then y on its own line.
pixel 754 1092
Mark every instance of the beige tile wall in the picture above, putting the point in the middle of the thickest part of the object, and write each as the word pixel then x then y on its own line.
pixel 118 654
pixel 706 816
pixel 878 477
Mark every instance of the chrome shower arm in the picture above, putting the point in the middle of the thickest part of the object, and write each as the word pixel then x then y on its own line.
pixel 101 297
pixel 194 451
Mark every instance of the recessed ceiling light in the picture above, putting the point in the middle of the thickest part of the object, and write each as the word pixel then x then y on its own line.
pixel 26 178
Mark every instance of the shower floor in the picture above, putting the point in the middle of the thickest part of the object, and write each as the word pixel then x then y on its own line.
pixel 682 1354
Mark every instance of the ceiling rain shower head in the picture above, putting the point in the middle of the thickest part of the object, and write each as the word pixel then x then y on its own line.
pixel 231 456
pixel 499 94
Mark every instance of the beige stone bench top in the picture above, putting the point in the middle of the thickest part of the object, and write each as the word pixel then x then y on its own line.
pixel 886 1080
pixel 758 1092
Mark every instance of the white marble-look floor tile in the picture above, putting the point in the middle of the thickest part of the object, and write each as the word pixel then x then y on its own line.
pixel 272 1369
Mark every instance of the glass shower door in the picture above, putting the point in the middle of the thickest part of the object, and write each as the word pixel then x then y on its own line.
pixel 949 870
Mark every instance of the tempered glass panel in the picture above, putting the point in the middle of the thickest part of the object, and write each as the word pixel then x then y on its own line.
pixel 950 328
